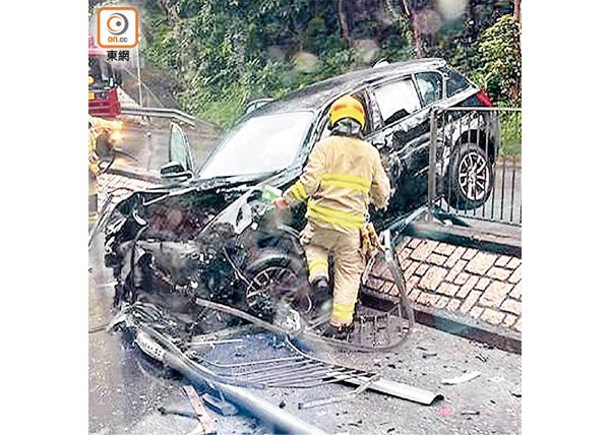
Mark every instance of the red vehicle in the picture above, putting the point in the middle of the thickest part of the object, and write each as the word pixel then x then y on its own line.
pixel 103 83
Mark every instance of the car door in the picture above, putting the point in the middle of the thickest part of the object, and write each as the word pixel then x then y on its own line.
pixel 401 118
pixel 180 164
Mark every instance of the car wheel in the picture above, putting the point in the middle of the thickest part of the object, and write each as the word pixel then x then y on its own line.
pixel 273 275
pixel 470 177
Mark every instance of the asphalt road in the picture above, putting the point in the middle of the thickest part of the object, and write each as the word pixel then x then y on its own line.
pixel 125 387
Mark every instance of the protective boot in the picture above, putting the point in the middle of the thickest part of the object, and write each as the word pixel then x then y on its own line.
pixel 321 297
pixel 338 332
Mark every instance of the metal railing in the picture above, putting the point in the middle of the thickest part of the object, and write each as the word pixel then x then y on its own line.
pixel 475 156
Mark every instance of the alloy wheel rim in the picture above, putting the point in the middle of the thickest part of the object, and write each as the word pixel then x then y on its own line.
pixel 473 176
pixel 284 278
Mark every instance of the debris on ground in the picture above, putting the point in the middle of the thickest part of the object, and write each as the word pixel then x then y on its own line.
pixel 178 412
pixel 463 378
pixel 206 422
pixel 469 412
pixel 357 423
pixel 219 405
pixel 516 392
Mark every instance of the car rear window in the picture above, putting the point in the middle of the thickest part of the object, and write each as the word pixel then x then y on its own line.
pixel 397 100
pixel 430 86
pixel 455 82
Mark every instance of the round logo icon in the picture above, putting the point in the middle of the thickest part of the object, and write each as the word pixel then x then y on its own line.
pixel 117 24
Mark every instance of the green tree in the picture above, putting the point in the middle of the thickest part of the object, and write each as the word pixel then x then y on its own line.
pixel 500 60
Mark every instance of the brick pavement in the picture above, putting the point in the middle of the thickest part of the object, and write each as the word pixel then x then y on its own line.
pixel 462 280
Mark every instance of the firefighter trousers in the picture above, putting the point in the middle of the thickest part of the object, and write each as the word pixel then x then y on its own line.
pixel 349 264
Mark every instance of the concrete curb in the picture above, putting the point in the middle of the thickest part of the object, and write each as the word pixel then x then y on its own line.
pixel 456 324
pixel 465 326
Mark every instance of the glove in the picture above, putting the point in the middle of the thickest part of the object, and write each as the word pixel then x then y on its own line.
pixel 281 203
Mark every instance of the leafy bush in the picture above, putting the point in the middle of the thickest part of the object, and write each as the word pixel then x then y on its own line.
pixel 500 60
pixel 511 133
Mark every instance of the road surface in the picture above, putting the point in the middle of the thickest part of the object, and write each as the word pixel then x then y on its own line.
pixel 125 387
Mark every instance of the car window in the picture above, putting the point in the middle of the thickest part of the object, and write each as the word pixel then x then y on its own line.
pixel 455 82
pixel 397 100
pixel 260 145
pixel 430 86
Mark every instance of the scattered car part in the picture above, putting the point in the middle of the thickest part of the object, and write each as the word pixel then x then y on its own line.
pixel 463 378
pixel 469 412
pixel 207 424
pixel 179 412
pixel 400 390
pixel 341 398
pixel 299 370
pixel 296 370
pixel 516 391
pixel 244 399
pixel 220 405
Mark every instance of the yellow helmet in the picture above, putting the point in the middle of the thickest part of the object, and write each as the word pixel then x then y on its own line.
pixel 347 107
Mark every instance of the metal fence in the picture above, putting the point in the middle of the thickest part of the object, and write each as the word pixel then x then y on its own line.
pixel 476 156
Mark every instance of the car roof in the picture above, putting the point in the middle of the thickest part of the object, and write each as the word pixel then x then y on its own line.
pixel 314 96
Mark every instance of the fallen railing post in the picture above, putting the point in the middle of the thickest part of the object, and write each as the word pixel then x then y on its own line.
pixel 431 169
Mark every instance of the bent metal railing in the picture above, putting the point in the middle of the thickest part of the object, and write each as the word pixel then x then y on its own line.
pixel 475 156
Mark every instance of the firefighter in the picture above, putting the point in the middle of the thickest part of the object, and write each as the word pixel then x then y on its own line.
pixel 103 135
pixel 343 175
pixel 93 173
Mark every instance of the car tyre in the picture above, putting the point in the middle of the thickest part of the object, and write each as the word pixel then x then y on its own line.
pixel 470 177
pixel 272 275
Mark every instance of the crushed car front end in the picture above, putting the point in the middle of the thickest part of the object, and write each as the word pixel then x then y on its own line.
pixel 171 246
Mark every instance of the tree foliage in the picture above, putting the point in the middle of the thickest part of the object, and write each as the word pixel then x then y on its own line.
pixel 500 60
pixel 224 53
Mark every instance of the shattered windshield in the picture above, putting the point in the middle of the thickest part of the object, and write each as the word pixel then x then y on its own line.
pixel 260 145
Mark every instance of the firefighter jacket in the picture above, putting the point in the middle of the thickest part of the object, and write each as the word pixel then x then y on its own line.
pixel 93 158
pixel 343 175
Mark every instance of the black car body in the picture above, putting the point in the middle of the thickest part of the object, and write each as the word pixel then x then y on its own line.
pixel 210 234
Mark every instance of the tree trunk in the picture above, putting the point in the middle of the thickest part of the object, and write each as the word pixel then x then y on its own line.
pixel 342 19
pixel 415 19
pixel 517 10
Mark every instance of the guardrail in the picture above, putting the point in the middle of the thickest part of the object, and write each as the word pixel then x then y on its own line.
pixel 161 112
pixel 476 165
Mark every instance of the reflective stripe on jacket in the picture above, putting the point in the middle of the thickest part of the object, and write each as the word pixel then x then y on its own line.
pixel 343 175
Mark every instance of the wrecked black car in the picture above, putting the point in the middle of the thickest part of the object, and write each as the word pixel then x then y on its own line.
pixel 210 236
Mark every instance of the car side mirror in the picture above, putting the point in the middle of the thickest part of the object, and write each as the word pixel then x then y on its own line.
pixel 174 170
